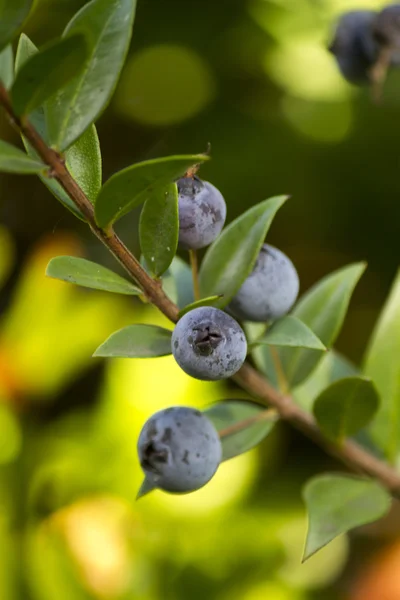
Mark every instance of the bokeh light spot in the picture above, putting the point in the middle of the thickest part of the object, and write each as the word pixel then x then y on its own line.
pixel 164 84
pixel 323 121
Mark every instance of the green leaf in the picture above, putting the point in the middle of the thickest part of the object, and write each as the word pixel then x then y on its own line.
pixel 290 331
pixel 42 75
pixel 241 424
pixel 89 274
pixel 137 341
pixel 382 365
pixel 210 301
pixel 231 258
pixel 178 283
pixel 108 26
pixel 345 407
pixel 83 159
pixel 13 160
pixel 132 186
pixel 323 309
pixel 13 13
pixel 333 366
pixel 26 50
pixel 7 67
pixel 146 487
pixel 159 229
pixel 338 503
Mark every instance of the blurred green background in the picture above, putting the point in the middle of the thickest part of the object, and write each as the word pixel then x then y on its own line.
pixel 253 78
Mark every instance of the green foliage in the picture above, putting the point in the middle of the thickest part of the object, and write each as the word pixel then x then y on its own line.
pixel 83 159
pixel 323 308
pixel 89 274
pixel 108 26
pixel 159 229
pixel 13 160
pixel 13 13
pixel 132 186
pixel 210 301
pixel 7 67
pixel 382 364
pixel 332 366
pixel 179 283
pixel 290 331
pixel 42 75
pixel 345 407
pixel 137 341
pixel 241 425
pixel 231 258
pixel 338 503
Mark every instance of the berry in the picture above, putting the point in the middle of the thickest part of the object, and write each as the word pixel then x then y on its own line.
pixel 270 290
pixel 202 213
pixel 179 449
pixel 354 45
pixel 386 31
pixel 208 344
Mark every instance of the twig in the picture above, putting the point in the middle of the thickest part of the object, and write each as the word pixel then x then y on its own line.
pixel 195 273
pixel 350 453
pixel 266 415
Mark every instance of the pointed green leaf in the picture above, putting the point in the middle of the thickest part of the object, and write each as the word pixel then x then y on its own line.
pixel 290 331
pixel 345 407
pixel 137 341
pixel 210 301
pixel 338 503
pixel 231 258
pixel 382 364
pixel 178 283
pixel 159 229
pixel 132 186
pixel 83 159
pixel 333 366
pixel 89 274
pixel 146 487
pixel 323 308
pixel 13 13
pixel 108 26
pixel 241 424
pixel 46 72
pixel 26 50
pixel 7 67
pixel 13 160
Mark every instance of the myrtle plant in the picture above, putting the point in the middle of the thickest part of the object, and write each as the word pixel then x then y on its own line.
pixel 236 315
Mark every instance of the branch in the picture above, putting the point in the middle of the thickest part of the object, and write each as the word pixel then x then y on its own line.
pixel 351 454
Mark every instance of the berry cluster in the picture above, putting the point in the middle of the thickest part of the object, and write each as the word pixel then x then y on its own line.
pixel 179 448
pixel 366 43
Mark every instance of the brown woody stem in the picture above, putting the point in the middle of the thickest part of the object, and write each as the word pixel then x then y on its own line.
pixel 350 453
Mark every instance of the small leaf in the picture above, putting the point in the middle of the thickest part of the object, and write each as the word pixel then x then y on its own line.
pixel 323 308
pixel 210 301
pixel 230 259
pixel 137 341
pixel 132 186
pixel 159 229
pixel 7 67
pixel 243 425
pixel 13 13
pixel 382 365
pixel 13 160
pixel 108 26
pixel 89 274
pixel 338 503
pixel 26 50
pixel 146 487
pixel 333 366
pixel 290 331
pixel 182 288
pixel 345 407
pixel 41 76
